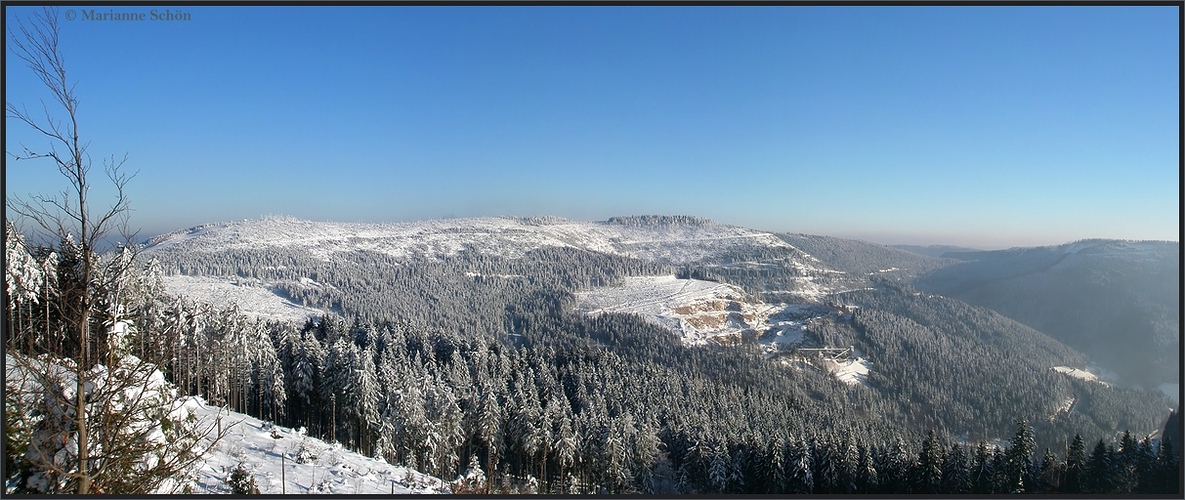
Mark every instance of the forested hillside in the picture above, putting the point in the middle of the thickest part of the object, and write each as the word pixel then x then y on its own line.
pixel 861 257
pixel 466 358
pixel 1116 301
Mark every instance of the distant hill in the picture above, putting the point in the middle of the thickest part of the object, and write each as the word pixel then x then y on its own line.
pixel 862 257
pixel 1116 301
pixel 284 267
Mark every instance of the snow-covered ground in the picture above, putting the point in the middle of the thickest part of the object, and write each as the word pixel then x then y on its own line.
pixel 851 371
pixel 1065 407
pixel 252 296
pixel 699 311
pixel 706 311
pixel 281 460
pixel 1080 374
pixel 326 468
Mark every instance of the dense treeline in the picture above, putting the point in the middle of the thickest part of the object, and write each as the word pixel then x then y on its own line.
pixel 467 291
pixel 656 220
pixel 1081 294
pixel 583 413
pixel 864 258
pixel 969 370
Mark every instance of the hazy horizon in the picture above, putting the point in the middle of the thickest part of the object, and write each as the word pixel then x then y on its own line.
pixel 983 127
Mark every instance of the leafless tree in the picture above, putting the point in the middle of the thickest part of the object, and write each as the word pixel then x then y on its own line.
pixel 88 396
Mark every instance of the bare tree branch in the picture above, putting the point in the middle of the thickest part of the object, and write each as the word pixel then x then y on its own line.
pixel 101 410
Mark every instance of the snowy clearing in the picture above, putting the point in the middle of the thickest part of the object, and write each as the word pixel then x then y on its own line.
pixel 252 296
pixel 852 371
pixel 704 311
pixel 696 310
pixel 1079 374
pixel 326 469
pixel 1062 408
pixel 849 371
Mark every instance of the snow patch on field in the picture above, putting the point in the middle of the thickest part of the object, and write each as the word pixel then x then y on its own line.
pixel 1079 374
pixel 851 371
pixel 1064 408
pixel 697 310
pixel 271 454
pixel 702 312
pixel 499 276
pixel 252 296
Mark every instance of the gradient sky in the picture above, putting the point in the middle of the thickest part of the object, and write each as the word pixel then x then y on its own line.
pixel 979 126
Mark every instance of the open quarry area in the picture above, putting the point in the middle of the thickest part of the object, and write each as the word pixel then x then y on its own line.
pixel 698 311
pixel 704 312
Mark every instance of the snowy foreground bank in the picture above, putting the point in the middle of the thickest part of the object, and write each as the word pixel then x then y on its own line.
pixel 284 460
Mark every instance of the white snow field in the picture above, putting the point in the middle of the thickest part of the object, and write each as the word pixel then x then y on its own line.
pixel 698 311
pixel 1079 373
pixel 326 468
pixel 252 296
pixel 702 312
pixel 851 371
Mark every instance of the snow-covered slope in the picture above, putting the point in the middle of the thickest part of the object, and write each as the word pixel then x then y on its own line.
pixel 286 461
pixel 669 240
pixel 253 297
pixel 675 243
pixel 281 460
pixel 700 311
pixel 1089 374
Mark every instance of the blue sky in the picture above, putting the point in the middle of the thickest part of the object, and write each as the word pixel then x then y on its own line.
pixel 979 126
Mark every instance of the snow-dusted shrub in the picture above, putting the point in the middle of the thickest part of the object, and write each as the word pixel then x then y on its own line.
pixel 305 455
pixel 141 436
pixel 474 480
pixel 242 481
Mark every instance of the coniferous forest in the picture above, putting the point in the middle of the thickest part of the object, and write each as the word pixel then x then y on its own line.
pixel 445 368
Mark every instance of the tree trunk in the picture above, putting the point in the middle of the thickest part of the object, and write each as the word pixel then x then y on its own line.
pixel 84 473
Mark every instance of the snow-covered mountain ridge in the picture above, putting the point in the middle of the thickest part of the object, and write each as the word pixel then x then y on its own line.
pixel 679 241
pixel 273 243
